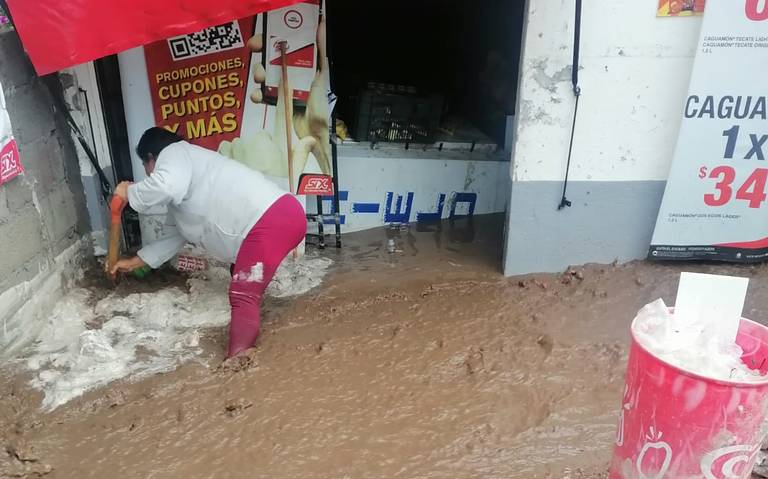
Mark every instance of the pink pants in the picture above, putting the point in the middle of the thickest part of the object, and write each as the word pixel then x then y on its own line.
pixel 277 233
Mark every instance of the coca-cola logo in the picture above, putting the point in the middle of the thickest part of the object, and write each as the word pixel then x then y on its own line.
pixel 729 462
pixel 655 456
pixel 293 19
pixel 757 10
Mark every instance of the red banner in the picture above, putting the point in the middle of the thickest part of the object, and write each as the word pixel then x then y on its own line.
pixel 58 34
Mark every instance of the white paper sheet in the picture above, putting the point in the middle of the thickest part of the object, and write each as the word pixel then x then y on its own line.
pixel 711 303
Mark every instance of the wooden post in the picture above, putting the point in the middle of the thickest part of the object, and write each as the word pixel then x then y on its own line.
pixel 288 102
pixel 288 107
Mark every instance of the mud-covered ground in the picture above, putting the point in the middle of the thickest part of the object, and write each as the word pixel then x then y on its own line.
pixel 423 363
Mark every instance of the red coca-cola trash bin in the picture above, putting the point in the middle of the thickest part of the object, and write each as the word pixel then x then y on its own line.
pixel 675 424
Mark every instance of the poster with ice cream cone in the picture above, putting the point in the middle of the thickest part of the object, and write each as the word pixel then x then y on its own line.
pixel 680 8
pixel 255 90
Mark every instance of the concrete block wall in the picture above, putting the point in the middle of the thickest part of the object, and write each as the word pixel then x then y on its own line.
pixel 42 212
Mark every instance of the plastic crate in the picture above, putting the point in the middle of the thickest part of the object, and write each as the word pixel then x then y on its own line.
pixel 397 114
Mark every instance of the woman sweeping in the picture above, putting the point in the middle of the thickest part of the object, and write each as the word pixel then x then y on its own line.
pixel 232 211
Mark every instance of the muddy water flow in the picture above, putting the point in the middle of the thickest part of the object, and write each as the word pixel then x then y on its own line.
pixel 418 363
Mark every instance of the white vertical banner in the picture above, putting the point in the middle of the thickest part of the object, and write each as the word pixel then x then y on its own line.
pixel 714 205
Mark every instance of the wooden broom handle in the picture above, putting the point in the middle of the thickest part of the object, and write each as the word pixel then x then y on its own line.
pixel 287 100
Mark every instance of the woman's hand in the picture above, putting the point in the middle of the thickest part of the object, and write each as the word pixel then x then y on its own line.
pixel 126 265
pixel 121 190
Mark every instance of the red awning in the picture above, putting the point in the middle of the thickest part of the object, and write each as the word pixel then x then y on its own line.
pixel 61 33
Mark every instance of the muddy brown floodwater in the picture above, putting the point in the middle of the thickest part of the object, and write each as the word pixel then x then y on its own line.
pixel 423 363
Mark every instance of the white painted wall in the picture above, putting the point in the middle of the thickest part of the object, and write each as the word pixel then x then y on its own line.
pixel 634 75
pixel 367 176
pixel 138 118
pixel 137 101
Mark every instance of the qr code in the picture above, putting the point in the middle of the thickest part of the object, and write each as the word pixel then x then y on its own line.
pixel 210 40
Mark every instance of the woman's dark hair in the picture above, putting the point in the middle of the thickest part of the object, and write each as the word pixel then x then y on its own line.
pixel 153 141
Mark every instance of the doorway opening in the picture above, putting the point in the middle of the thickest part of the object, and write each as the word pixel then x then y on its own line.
pixel 425 111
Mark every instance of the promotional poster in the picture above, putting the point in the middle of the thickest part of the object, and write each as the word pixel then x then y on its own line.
pixel 222 88
pixel 680 8
pixel 714 205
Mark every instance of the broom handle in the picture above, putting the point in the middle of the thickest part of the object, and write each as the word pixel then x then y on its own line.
pixel 116 207
pixel 114 249
pixel 287 100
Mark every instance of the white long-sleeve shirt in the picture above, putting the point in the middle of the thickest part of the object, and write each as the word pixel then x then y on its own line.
pixel 212 201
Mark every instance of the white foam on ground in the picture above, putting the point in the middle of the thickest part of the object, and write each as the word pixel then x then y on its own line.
pixel 142 334
pixel 85 344
pixel 25 307
pixel 687 348
pixel 295 277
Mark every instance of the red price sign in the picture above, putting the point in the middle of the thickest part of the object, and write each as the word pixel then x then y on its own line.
pixel 752 190
pixel 10 165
